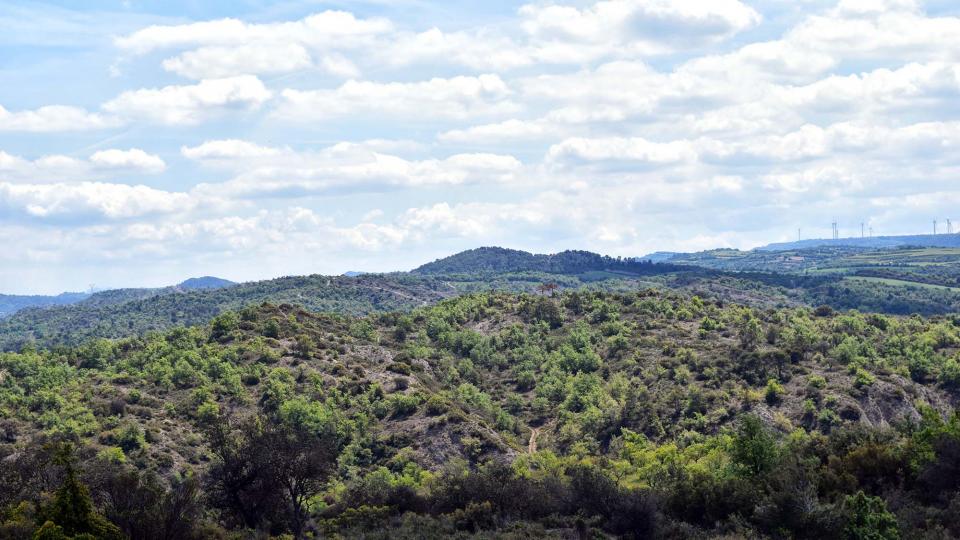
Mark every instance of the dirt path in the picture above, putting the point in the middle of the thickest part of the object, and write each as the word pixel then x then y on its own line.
pixel 423 301
pixel 532 447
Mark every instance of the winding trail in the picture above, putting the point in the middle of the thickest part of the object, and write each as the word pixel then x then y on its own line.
pixel 532 446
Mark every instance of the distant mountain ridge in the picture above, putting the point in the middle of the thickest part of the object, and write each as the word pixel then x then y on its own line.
pixel 875 242
pixel 205 282
pixel 11 304
pixel 503 260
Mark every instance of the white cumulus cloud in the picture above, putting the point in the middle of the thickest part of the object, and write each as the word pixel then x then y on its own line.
pixel 453 98
pixel 89 200
pixel 133 158
pixel 189 104
pixel 51 118
pixel 228 149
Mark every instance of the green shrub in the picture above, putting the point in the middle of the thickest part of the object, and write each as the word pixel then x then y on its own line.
pixel 397 367
pixel 112 454
pixel 404 404
pixel 437 405
pixel 526 380
pixel 130 438
pixel 774 391
pixel 863 378
pixel 950 373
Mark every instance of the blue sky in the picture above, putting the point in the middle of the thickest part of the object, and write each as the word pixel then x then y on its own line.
pixel 145 142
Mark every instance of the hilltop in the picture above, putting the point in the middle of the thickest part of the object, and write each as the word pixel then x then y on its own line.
pixel 205 282
pixel 496 260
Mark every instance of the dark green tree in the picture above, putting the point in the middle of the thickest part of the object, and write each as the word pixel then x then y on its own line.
pixel 754 447
pixel 868 519
pixel 71 512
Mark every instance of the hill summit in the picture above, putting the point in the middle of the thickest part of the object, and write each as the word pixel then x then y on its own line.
pixel 501 260
pixel 205 282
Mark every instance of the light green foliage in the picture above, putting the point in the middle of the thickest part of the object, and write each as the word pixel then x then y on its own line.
pixel 863 377
pixel 774 392
pixel 363 329
pixel 404 404
pixel 223 326
pixel 277 388
pixel 113 454
pixel 800 335
pixel 750 331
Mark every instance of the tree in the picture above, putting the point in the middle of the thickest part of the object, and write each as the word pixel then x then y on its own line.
pixel 774 392
pixel 301 463
pixel 271 329
pixel 544 309
pixel 71 512
pixel 868 519
pixel 750 332
pixel 754 447
pixel 144 508
pixel 235 482
pixel 224 325
pixel 800 337
pixel 268 469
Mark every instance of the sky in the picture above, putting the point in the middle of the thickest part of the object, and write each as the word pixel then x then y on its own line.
pixel 144 142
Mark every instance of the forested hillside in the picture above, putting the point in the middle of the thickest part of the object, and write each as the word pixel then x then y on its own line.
pixel 130 312
pixel 496 260
pixel 11 303
pixel 590 414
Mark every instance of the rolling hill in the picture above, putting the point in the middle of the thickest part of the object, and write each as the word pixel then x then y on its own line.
pixel 205 282
pixel 491 415
pixel 126 312
pixel 496 260
pixel 871 281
